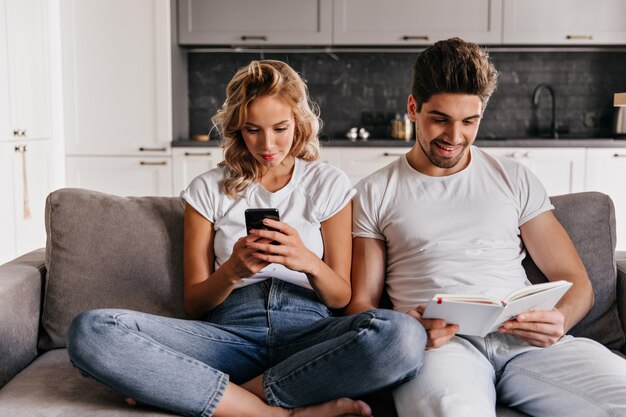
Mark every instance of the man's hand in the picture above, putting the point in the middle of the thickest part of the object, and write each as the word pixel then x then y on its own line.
pixel 438 331
pixel 539 328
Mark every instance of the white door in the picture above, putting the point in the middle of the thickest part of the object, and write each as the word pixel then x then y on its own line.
pixel 560 170
pixel 359 163
pixel 575 22
pixel 188 163
pixel 123 176
pixel 415 22
pixel 24 76
pixel 116 77
pixel 243 22
pixel 32 184
pixel 606 170
pixel 7 206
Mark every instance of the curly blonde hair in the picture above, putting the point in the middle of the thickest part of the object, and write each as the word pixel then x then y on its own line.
pixel 258 79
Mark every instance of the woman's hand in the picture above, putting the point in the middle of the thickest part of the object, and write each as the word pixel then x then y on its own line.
pixel 243 262
pixel 439 332
pixel 539 328
pixel 290 251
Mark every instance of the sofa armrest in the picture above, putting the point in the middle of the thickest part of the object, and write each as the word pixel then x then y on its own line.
pixel 620 258
pixel 20 307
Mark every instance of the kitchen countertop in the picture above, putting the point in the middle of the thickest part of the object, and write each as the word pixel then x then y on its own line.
pixel 495 143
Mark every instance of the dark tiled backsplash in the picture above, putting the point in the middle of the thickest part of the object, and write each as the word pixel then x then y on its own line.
pixel 367 89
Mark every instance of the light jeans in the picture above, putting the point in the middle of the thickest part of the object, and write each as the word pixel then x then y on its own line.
pixel 272 328
pixel 574 377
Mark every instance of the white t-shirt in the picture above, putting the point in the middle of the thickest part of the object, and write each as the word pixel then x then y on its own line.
pixel 452 234
pixel 316 192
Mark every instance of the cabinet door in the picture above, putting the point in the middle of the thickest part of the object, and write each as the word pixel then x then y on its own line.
pixel 24 76
pixel 124 176
pixel 188 163
pixel 560 170
pixel 606 170
pixel 116 77
pixel 7 206
pixel 255 22
pixel 575 22
pixel 32 183
pixel 415 22
pixel 359 163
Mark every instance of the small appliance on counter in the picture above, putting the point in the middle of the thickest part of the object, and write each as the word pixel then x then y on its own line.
pixel 619 124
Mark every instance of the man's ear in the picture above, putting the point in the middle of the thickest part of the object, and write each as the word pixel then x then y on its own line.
pixel 412 108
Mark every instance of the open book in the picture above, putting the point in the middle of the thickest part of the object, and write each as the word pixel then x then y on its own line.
pixel 477 315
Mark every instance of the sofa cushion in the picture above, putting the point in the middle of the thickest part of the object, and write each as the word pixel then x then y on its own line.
pixel 50 386
pixel 589 219
pixel 105 251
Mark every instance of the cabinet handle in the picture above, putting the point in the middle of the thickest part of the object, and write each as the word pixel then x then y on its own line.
pixel 153 163
pixel 19 132
pixel 415 38
pixel 578 37
pixel 142 149
pixel 619 155
pixel 20 148
pixel 197 153
pixel 254 38
pixel 392 154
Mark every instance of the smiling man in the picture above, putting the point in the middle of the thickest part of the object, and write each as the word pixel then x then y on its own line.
pixel 449 218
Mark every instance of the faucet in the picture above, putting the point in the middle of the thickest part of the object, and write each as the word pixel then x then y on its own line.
pixel 536 93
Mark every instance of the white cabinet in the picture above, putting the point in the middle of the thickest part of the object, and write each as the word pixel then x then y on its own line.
pixel 26 172
pixel 606 170
pixel 117 77
pixel 24 70
pixel 360 162
pixel 415 22
pixel 258 22
pixel 561 170
pixel 565 22
pixel 124 175
pixel 188 163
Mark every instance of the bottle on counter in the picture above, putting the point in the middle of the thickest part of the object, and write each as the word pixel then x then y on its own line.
pixel 402 127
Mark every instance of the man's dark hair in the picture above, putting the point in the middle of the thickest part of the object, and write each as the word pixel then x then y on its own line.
pixel 453 66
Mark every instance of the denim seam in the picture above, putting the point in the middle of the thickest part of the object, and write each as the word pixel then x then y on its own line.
pixel 268 380
pixel 214 400
pixel 581 394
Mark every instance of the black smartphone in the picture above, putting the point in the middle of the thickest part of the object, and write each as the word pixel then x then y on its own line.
pixel 255 217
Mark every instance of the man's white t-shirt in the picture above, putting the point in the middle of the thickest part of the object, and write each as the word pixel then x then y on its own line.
pixel 315 193
pixel 452 234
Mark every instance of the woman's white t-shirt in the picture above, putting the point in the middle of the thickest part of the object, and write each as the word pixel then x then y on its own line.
pixel 315 193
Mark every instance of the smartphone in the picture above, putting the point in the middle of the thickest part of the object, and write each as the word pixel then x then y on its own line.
pixel 255 217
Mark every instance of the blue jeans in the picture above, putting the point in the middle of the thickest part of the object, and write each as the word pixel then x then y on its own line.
pixel 272 328
pixel 465 377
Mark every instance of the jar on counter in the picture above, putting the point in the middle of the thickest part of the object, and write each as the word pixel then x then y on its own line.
pixel 402 127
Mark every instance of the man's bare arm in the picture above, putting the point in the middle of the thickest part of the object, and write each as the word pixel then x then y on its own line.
pixel 368 274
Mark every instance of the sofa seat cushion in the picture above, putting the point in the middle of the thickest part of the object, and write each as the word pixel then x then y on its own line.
pixel 52 387
pixel 105 251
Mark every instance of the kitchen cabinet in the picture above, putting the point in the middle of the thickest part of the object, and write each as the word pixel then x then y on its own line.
pixel 24 70
pixel 415 22
pixel 560 170
pixel 564 22
pixel 266 22
pixel 25 167
pixel 605 167
pixel 117 77
pixel 357 163
pixel 188 163
pixel 124 176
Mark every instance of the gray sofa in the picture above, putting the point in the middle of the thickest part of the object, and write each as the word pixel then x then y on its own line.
pixel 108 251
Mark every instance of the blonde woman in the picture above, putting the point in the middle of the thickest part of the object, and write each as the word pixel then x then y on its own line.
pixel 263 341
